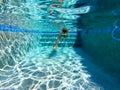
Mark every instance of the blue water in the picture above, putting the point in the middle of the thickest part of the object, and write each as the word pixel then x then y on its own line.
pixel 28 31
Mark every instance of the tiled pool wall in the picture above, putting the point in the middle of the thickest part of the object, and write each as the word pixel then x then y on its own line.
pixel 105 51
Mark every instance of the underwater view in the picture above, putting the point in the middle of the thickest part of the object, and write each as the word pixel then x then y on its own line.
pixel 59 45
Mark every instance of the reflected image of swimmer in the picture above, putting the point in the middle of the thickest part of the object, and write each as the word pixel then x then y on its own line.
pixel 55 5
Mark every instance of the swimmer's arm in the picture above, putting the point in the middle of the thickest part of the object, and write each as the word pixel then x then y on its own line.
pixel 57 41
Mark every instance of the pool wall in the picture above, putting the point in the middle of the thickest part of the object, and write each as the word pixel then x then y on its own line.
pixel 105 51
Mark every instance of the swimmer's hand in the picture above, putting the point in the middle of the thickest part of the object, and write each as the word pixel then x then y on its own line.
pixel 54 48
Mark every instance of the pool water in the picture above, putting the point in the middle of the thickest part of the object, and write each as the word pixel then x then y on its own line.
pixel 28 31
pixel 66 68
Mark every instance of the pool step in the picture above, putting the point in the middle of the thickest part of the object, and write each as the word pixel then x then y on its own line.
pixel 61 40
pixel 56 34
pixel 62 44
pixel 49 40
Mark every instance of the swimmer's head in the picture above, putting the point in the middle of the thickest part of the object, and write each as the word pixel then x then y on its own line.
pixel 65 29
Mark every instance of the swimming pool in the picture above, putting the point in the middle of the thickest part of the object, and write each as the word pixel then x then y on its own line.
pixel 28 31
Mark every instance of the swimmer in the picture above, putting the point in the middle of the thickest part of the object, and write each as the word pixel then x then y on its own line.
pixel 64 33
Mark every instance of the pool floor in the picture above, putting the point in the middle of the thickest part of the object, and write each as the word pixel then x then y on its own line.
pixel 63 69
